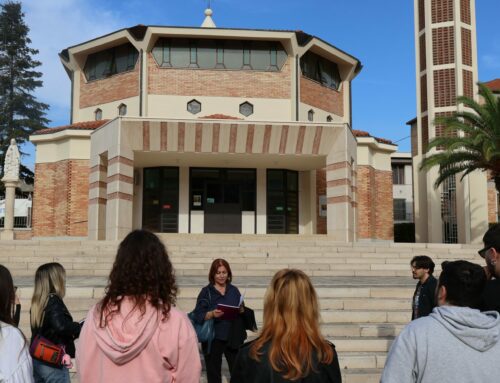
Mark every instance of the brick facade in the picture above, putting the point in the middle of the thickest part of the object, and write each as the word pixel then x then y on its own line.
pixel 443 46
pixel 116 87
pixel 421 14
pixel 465 15
pixel 442 11
pixel 375 204
pixel 60 199
pixel 423 55
pixel 219 83
pixel 315 94
pixel 423 94
pixel 466 47
pixel 425 133
pixel 468 84
pixel 445 91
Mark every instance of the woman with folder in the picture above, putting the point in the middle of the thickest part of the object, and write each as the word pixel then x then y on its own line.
pixel 219 301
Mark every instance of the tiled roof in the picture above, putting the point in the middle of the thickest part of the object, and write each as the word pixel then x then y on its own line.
pixel 494 85
pixel 85 125
pixel 219 116
pixel 361 133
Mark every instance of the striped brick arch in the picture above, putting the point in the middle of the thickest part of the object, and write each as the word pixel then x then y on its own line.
pixel 216 137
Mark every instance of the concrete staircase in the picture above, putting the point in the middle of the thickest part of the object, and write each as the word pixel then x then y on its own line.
pixel 365 289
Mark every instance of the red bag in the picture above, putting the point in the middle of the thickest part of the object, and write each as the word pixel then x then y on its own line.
pixel 46 351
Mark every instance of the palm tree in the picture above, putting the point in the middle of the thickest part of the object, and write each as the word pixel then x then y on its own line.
pixel 472 141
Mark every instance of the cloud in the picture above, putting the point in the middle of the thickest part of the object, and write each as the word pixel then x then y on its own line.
pixel 56 25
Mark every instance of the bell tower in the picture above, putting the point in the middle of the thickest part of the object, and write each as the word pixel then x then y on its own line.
pixel 446 67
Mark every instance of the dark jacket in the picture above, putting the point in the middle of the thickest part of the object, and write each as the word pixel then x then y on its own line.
pixel 208 299
pixel 248 370
pixel 58 325
pixel 490 298
pixel 427 299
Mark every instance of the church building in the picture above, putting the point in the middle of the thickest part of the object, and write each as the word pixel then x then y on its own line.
pixel 211 130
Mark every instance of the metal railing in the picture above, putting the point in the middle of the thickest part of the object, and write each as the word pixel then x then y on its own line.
pixel 20 222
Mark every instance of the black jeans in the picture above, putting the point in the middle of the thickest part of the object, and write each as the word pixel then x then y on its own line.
pixel 213 361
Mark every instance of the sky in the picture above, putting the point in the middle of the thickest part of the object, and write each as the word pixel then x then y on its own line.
pixel 379 33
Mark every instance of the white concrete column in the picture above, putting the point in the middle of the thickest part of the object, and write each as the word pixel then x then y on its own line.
pixel 10 200
pixel 119 197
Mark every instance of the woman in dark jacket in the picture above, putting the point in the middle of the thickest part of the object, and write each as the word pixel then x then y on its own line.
pixel 51 319
pixel 290 347
pixel 218 291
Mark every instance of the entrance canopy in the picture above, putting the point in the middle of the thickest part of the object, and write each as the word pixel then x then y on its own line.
pixel 124 147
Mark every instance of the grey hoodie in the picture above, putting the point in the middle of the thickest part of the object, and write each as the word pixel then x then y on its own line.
pixel 453 344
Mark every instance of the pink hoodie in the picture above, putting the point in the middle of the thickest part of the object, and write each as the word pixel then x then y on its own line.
pixel 136 349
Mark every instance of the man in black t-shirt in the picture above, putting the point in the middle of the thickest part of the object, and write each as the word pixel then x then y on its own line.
pixel 491 254
pixel 424 297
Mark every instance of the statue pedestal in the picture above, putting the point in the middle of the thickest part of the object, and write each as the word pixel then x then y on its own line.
pixel 10 199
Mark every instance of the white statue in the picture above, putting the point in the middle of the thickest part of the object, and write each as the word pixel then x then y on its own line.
pixel 12 162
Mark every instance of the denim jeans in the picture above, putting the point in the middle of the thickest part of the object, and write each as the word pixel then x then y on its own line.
pixel 46 374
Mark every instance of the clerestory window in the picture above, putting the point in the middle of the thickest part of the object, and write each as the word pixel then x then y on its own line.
pixel 219 54
pixel 110 61
pixel 319 69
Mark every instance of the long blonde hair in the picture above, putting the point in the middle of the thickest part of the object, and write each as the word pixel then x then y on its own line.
pixel 291 325
pixel 50 278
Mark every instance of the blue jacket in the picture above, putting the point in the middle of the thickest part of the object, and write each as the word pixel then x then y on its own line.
pixel 208 299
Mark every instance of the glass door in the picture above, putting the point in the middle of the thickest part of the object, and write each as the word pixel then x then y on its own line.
pixel 282 202
pixel 160 201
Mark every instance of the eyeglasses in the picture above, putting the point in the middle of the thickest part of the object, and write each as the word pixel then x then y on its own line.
pixel 483 251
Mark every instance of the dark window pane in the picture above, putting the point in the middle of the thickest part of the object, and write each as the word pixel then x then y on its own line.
pixel 260 56
pixel 233 55
pixel 207 54
pixel 246 55
pixel 320 69
pixel 179 54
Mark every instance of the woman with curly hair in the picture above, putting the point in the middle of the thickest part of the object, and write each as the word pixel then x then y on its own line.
pixel 135 334
pixel 290 347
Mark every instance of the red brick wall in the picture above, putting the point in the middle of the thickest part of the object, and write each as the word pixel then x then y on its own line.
pixel 443 41
pixel 222 83
pixel 441 10
pixel 465 15
pixel 320 190
pixel 315 94
pixel 423 54
pixel 116 87
pixel 60 201
pixel 440 130
pixel 23 234
pixel 445 90
pixel 468 84
pixel 421 14
pixel 425 133
pixel 466 47
pixel 375 204
pixel 423 94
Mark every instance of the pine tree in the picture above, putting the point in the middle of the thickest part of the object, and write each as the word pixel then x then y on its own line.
pixel 20 113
